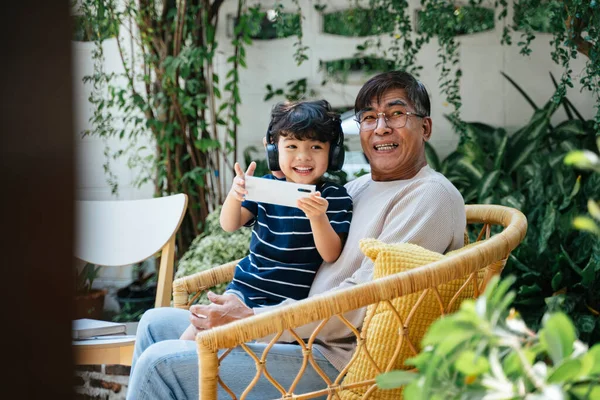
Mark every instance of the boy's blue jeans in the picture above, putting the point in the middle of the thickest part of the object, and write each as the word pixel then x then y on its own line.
pixel 165 367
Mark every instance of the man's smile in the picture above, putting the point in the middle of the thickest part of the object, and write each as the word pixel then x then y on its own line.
pixel 385 146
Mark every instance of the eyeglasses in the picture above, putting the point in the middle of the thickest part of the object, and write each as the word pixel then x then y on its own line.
pixel 396 120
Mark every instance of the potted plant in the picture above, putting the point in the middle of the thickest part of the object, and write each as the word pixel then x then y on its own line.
pixel 138 296
pixel 89 303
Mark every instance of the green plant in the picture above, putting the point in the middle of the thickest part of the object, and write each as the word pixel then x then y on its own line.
pixel 357 22
pixel 169 88
pixel 213 248
pixel 84 278
pixel 251 153
pixel 93 24
pixel 573 25
pixel 587 160
pixel 466 20
pixel 339 70
pixel 557 268
pixel 273 25
pixel 128 314
pixel 486 351
pixel 296 90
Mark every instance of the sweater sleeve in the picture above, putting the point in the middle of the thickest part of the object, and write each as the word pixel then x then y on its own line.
pixel 429 216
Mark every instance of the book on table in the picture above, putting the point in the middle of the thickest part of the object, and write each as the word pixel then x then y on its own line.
pixel 86 328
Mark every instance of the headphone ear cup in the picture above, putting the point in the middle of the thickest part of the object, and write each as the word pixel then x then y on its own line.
pixel 272 151
pixel 273 157
pixel 338 158
pixel 337 153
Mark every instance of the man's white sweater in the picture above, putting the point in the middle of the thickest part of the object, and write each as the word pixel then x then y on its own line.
pixel 426 210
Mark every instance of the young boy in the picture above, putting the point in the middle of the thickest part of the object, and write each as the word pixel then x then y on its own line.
pixel 288 244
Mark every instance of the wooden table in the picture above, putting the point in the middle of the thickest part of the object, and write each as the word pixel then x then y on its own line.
pixel 104 351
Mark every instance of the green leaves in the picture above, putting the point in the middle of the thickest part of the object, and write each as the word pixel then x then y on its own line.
pixel 487 184
pixel 547 227
pixel 485 351
pixel 470 363
pixel 395 379
pixel 558 336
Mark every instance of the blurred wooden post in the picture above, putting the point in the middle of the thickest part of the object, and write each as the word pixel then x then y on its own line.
pixel 36 170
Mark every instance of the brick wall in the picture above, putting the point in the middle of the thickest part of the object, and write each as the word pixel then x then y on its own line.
pixel 101 382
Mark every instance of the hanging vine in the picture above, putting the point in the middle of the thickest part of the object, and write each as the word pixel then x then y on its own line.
pixel 169 88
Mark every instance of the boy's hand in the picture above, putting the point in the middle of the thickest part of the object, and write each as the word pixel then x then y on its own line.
pixel 238 187
pixel 313 206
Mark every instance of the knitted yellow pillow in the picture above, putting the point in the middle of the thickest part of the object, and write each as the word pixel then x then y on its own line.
pixel 384 332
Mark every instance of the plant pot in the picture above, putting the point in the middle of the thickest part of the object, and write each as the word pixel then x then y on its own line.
pixel 90 305
pixel 134 297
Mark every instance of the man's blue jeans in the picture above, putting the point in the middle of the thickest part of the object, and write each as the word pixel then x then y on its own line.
pixel 167 368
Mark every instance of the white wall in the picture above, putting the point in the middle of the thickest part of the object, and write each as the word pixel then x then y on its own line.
pixel 487 96
pixel 90 158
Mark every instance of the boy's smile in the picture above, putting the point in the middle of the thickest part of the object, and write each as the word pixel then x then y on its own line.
pixel 303 161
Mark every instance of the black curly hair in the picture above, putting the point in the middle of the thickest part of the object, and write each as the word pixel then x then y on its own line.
pixel 305 120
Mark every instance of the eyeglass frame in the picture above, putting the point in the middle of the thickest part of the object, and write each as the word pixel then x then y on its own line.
pixel 385 118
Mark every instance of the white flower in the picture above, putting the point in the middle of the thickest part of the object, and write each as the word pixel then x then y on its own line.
pixel 552 392
pixel 579 348
pixel 540 369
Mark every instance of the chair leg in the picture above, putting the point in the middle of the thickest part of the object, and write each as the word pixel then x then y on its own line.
pixel 208 371
pixel 165 275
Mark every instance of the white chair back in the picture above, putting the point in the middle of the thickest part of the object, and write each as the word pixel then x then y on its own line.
pixel 117 233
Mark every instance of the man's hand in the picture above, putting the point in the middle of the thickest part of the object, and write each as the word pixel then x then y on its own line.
pixel 313 206
pixel 223 310
pixel 238 187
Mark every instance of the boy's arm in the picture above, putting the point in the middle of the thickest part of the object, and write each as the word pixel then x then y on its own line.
pixel 233 216
pixel 189 333
pixel 328 242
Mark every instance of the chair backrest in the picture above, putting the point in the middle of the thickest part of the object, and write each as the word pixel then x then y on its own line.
pixel 118 233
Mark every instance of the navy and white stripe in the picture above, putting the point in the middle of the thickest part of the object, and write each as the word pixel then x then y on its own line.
pixel 283 257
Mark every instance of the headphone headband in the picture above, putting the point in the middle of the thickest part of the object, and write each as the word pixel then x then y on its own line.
pixel 336 149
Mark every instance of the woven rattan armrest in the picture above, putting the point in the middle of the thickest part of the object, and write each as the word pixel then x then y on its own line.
pixel 323 306
pixel 338 302
pixel 199 282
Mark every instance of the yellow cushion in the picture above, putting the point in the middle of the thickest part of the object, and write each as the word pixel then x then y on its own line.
pixel 384 332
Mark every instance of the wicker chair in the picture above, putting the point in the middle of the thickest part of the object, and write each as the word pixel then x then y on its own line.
pixel 479 262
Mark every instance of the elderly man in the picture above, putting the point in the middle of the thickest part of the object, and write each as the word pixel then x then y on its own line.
pixel 402 200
